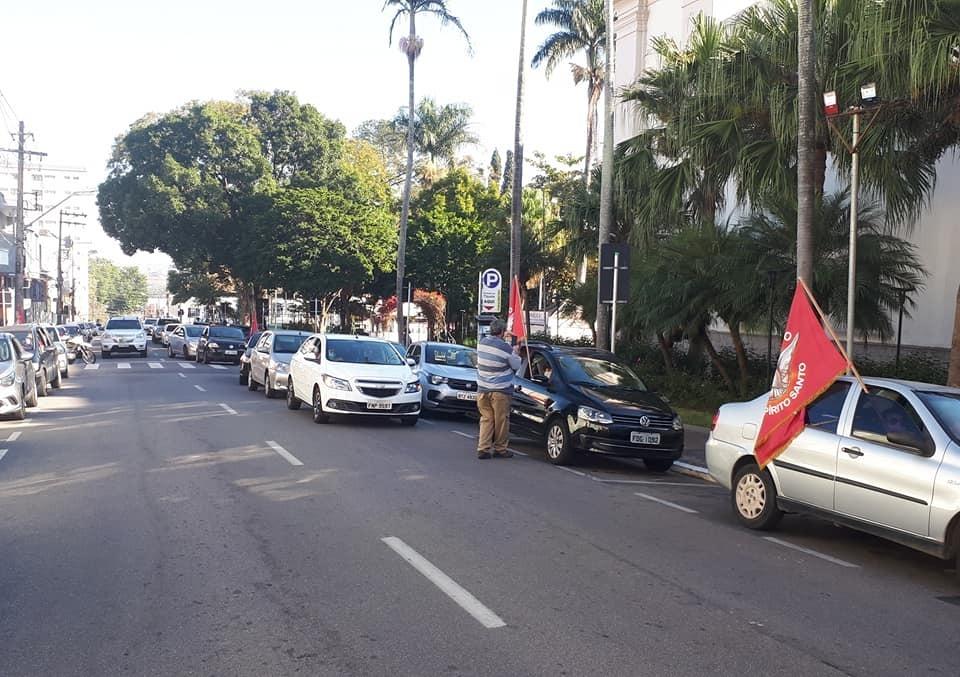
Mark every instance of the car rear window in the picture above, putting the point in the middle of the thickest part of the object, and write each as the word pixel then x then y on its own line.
pixel 193 330
pixel 362 352
pixel 287 344
pixel 452 356
pixel 25 338
pixel 226 333
pixel 124 324
pixel 6 352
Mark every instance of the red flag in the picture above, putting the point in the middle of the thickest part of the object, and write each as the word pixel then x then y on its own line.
pixel 515 323
pixel 809 363
pixel 254 326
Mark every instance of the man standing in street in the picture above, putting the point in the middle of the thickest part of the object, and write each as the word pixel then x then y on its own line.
pixel 496 364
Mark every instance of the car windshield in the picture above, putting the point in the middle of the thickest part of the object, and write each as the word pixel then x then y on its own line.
pixel 254 337
pixel 70 330
pixel 362 352
pixel 193 330
pixel 597 372
pixel 452 356
pixel 25 337
pixel 6 352
pixel 170 327
pixel 124 324
pixel 287 343
pixel 150 320
pixel 946 409
pixel 226 333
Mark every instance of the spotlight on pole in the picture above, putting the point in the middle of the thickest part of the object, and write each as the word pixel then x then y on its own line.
pixel 868 95
pixel 830 106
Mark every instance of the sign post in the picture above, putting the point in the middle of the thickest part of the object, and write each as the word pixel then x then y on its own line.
pixel 614 281
pixel 488 298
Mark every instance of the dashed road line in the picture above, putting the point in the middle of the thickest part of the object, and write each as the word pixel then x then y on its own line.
pixel 653 482
pixel 92 367
pixel 154 365
pixel 182 375
pixel 426 422
pixel 14 436
pixel 3 452
pixel 675 506
pixel 123 365
pixel 814 553
pixel 469 437
pixel 187 365
pixel 217 366
pixel 200 388
pixel 230 410
pixel 571 470
pixel 451 588
pixel 290 458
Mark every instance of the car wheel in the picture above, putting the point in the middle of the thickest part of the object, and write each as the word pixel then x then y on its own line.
pixel 66 372
pixel 32 397
pixel 21 412
pixel 293 402
pixel 244 376
pixel 559 449
pixel 318 415
pixel 206 357
pixel 754 498
pixel 268 390
pixel 658 464
pixel 170 353
pixel 251 383
pixel 186 354
pixel 57 380
pixel 105 354
pixel 143 353
pixel 409 420
pixel 42 384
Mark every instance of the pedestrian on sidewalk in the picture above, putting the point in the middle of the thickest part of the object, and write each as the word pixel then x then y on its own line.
pixel 496 364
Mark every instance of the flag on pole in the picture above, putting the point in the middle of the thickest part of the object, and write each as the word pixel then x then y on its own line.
pixel 808 365
pixel 515 320
pixel 254 326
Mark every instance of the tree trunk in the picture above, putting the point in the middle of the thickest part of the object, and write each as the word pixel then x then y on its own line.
pixel 806 121
pixel 715 360
pixel 606 181
pixel 665 352
pixel 593 101
pixel 408 180
pixel 741 352
pixel 953 375
pixel 516 211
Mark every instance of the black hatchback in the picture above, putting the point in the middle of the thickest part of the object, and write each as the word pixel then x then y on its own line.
pixel 584 399
pixel 221 344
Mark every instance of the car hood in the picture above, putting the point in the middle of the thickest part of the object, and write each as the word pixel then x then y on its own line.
pixel 345 370
pixel 617 400
pixel 126 333
pixel 462 373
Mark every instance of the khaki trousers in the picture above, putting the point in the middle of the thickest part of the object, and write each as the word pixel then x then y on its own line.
pixel 494 411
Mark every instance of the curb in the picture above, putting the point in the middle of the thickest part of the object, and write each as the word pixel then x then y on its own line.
pixel 691 470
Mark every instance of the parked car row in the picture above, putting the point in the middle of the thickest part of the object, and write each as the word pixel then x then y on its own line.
pixel 34 359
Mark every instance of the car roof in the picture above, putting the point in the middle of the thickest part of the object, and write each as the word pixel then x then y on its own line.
pixel 904 383
pixel 354 337
pixel 583 351
pixel 286 332
pixel 445 343
pixel 18 327
pixel 124 317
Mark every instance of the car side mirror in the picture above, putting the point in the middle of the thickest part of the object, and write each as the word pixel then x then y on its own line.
pixel 911 440
pixel 411 362
pixel 26 356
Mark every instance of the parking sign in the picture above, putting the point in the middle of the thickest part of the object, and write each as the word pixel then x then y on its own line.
pixel 491 282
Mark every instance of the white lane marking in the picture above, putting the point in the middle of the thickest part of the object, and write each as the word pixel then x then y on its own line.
pixel 808 551
pixel 200 388
pixel 228 409
pixel 291 459
pixel 469 437
pixel 519 453
pixel 218 366
pixel 182 375
pixel 663 484
pixel 571 470
pixel 3 452
pixel 14 436
pixel 123 365
pixel 666 503
pixel 451 588
pixel 691 466
pixel 187 365
pixel 92 366
pixel 423 420
pixel 155 365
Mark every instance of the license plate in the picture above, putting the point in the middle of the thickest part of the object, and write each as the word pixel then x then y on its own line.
pixel 123 340
pixel 229 352
pixel 644 438
pixel 467 396
pixel 379 405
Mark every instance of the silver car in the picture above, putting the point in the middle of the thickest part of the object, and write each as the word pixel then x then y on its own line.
pixel 18 383
pixel 448 376
pixel 886 462
pixel 166 331
pixel 59 342
pixel 270 360
pixel 182 341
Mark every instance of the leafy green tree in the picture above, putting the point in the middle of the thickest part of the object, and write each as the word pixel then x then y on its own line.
pixel 412 45
pixel 116 290
pixel 203 287
pixel 496 168
pixel 439 131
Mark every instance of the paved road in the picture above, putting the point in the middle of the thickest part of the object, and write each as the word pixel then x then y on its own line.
pixel 161 520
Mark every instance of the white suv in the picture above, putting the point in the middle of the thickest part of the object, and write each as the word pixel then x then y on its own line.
pixel 352 375
pixel 123 335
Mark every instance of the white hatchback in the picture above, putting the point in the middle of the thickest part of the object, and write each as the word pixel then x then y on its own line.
pixel 358 375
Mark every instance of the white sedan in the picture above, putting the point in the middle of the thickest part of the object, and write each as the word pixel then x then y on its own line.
pixel 357 375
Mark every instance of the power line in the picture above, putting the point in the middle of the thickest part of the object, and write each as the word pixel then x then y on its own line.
pixel 6 120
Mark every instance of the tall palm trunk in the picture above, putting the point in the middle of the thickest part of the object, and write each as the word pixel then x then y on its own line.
pixel 593 100
pixel 517 199
pixel 606 182
pixel 953 375
pixel 806 120
pixel 408 181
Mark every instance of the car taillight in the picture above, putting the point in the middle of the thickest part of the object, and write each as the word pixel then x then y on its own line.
pixel 713 422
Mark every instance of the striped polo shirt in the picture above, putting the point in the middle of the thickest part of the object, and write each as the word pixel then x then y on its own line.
pixel 496 364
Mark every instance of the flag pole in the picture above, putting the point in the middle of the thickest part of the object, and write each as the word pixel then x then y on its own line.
pixel 526 339
pixel 833 334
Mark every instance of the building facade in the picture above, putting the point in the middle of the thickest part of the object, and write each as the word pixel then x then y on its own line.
pixel 936 236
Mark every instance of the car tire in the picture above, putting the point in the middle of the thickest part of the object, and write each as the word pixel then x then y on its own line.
pixel 143 353
pixel 21 412
pixel 57 380
pixel 186 354
pixel 268 390
pixel 32 397
pixel 754 498
pixel 251 383
pixel 658 464
pixel 244 376
pixel 409 420
pixel 293 402
pixel 558 444
pixel 206 357
pixel 105 354
pixel 42 384
pixel 318 414
pixel 66 371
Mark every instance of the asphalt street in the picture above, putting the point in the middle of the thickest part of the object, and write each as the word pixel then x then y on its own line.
pixel 159 519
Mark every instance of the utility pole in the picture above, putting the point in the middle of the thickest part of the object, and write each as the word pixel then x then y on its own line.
pixel 60 259
pixel 21 258
pixel 606 181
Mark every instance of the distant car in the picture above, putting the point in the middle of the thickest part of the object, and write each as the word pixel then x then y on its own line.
pixel 589 400
pixel 270 360
pixel 448 376
pixel 18 383
pixel 60 343
pixel 886 462
pixel 182 341
pixel 43 354
pixel 149 324
pixel 67 332
pixel 220 344
pixel 245 358
pixel 123 335
pixel 165 332
pixel 156 336
pixel 342 374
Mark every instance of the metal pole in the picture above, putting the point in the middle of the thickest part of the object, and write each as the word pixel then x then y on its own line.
pixel 773 278
pixel 852 268
pixel 21 261
pixel 606 180
pixel 60 270
pixel 406 324
pixel 613 304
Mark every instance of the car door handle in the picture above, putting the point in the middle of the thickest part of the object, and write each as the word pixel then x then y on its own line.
pixel 854 452
pixel 518 389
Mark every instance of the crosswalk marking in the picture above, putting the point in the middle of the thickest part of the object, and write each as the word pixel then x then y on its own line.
pixel 187 365
pixel 155 365
pixel 92 366
pixel 123 365
pixel 218 366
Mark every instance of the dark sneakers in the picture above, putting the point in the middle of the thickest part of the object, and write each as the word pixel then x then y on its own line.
pixel 503 454
pixel 483 455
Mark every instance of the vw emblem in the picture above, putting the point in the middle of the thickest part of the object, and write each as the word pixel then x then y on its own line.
pixel 645 421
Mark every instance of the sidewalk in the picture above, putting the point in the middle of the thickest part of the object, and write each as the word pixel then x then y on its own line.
pixel 693 462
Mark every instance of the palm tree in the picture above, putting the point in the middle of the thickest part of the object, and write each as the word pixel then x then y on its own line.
pixel 582 28
pixel 806 129
pixel 412 45
pixel 438 130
